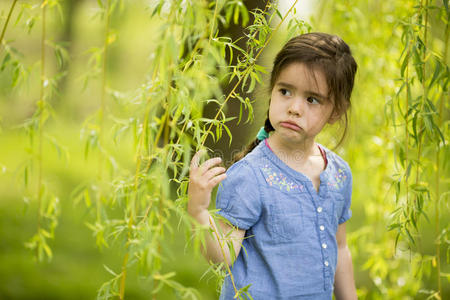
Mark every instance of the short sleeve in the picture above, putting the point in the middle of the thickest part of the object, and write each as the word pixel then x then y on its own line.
pixel 346 211
pixel 238 199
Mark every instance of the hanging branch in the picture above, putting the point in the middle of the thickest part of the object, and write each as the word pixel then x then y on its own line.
pixel 244 75
pixel 407 109
pixel 422 126
pixel 7 21
pixel 438 165
pixel 103 92
pixel 101 120
pixel 142 138
pixel 421 111
pixel 41 105
pixel 47 203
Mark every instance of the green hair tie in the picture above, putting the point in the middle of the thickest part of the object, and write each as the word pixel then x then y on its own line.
pixel 262 134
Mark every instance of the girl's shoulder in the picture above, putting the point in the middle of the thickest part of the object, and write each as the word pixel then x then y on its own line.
pixel 248 166
pixel 335 160
pixel 243 167
pixel 338 173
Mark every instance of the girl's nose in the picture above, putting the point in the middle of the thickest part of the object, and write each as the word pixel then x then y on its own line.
pixel 296 108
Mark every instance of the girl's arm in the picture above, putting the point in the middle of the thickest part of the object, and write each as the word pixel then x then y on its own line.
pixel 202 180
pixel 344 283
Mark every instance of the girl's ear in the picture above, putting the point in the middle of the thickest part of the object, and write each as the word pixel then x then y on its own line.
pixel 335 115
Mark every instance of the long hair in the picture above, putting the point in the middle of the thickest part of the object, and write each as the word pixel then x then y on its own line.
pixel 323 52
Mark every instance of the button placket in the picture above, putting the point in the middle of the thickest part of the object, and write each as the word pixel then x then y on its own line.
pixel 321 217
pixel 322 209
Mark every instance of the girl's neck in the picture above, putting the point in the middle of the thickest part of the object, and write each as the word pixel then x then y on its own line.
pixel 305 158
pixel 291 153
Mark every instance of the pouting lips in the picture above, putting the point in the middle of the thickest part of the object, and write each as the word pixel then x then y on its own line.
pixel 290 125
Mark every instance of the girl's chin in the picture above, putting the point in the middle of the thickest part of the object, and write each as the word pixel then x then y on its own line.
pixel 288 135
pixel 291 131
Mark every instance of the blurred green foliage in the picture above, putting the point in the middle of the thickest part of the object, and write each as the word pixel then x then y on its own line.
pixel 78 268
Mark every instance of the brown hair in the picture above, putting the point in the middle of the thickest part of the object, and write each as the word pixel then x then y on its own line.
pixel 318 51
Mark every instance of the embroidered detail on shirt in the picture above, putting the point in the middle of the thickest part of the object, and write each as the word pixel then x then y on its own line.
pixel 280 180
pixel 339 179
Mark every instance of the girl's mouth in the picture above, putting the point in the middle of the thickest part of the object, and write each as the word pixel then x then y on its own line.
pixel 290 125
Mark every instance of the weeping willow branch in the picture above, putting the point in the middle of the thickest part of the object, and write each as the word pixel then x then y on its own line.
pixel 424 98
pixel 438 171
pixel 131 217
pixel 233 91
pixel 407 100
pixel 41 107
pixel 102 110
pixel 103 92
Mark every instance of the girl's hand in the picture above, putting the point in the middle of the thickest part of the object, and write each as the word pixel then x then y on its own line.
pixel 202 180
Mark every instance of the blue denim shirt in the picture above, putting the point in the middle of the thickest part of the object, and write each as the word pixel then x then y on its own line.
pixel 290 249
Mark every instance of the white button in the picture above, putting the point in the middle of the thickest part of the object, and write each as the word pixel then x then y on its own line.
pixel 322 228
pixel 319 209
pixel 324 246
pixel 326 263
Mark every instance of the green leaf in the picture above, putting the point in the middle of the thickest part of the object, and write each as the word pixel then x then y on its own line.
pixel 47 250
pixel 420 187
pixel 252 83
pixel 240 113
pixel 439 132
pixel 436 73
pixel 109 270
pixel 86 149
pixel 244 14
pixel 404 65
pixel 229 133
pixel 394 226
pixel 236 15
pixel 278 13
pixel 15 77
pixel 5 61
pixel 408 234
pixel 87 198
pixel 25 175
pixel 30 23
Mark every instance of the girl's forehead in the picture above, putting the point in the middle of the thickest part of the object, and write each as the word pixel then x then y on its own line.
pixel 301 76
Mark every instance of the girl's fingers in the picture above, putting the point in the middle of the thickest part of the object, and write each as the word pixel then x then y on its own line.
pixel 209 163
pixel 216 180
pixel 214 172
pixel 196 159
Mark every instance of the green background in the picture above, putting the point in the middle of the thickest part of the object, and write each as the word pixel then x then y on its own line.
pixel 77 268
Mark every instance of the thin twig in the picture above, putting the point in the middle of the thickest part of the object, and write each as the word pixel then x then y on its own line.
pixel 213 19
pixel 41 107
pixel 7 21
pixel 214 229
pixel 424 96
pixel 438 175
pixel 406 128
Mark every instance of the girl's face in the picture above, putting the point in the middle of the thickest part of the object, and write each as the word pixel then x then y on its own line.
pixel 299 107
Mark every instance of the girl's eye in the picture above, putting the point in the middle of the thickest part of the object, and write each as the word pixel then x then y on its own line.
pixel 313 100
pixel 285 92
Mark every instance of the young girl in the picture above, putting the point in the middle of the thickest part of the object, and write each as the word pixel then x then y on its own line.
pixel 289 197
